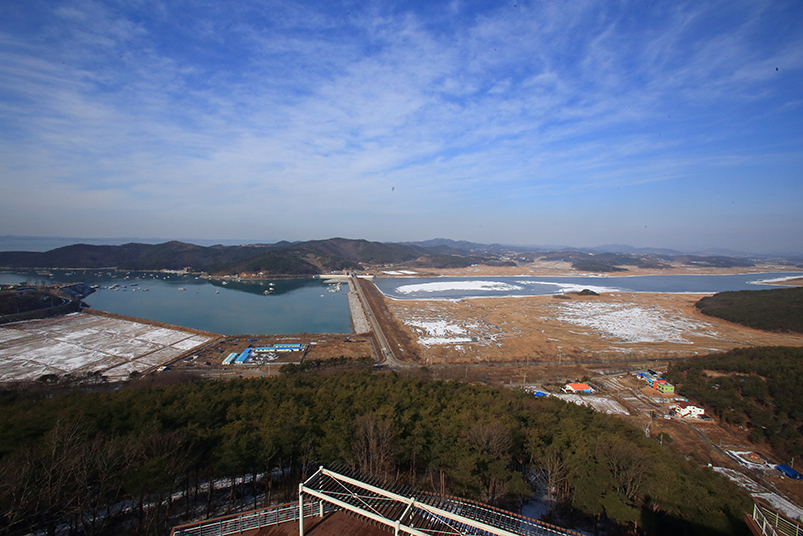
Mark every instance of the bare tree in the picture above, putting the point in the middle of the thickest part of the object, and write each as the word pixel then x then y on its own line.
pixel 492 439
pixel 493 442
pixel 553 473
pixel 101 471
pixel 40 484
pixel 627 465
pixel 373 444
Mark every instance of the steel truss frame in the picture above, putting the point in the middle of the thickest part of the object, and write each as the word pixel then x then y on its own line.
pixel 415 513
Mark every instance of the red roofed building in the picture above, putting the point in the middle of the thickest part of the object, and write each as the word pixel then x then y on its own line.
pixel 578 388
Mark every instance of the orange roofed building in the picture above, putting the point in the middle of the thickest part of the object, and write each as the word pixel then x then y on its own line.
pixel 578 388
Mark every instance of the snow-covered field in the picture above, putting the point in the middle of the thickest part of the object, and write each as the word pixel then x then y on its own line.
pixel 441 286
pixel 438 332
pixel 81 343
pixel 441 329
pixel 598 403
pixel 629 323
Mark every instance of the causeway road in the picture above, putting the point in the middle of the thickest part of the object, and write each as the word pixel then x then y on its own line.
pixel 385 351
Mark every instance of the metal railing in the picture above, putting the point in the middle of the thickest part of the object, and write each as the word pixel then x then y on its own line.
pixel 418 513
pixel 254 519
pixel 415 513
pixel 772 523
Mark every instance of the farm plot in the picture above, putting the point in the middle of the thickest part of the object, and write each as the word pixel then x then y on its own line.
pixel 79 344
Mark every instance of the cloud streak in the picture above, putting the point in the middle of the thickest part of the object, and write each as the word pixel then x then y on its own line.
pixel 324 119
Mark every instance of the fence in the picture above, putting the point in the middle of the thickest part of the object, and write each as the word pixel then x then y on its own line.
pixel 254 519
pixel 771 523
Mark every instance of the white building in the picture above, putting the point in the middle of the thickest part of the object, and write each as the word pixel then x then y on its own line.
pixel 684 409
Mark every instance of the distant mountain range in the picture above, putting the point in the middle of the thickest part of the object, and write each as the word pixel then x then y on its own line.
pixel 283 258
pixel 321 256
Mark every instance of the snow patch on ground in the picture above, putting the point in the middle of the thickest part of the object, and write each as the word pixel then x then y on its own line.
pixel 750 460
pixel 597 403
pixel 438 332
pixel 9 334
pixel 441 329
pixel 438 327
pixel 430 341
pixel 630 323
pixel 487 286
pixel 790 510
pixel 740 479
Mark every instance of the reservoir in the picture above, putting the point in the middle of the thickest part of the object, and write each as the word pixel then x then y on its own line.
pixel 232 308
pixel 314 306
pixel 458 288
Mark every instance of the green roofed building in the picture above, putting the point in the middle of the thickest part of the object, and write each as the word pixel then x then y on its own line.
pixel 664 387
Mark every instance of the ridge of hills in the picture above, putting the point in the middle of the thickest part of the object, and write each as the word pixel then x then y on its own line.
pixel 333 254
pixel 285 258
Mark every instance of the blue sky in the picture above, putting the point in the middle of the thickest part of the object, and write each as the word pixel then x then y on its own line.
pixel 664 124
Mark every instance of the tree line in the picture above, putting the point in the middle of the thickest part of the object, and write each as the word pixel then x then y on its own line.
pixel 139 460
pixel 756 388
pixel 779 310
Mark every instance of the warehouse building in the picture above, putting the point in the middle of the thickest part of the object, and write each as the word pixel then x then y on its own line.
pixel 279 348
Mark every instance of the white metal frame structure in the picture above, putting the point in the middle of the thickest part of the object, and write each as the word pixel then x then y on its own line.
pixel 414 513
pixel 771 523
pixel 251 520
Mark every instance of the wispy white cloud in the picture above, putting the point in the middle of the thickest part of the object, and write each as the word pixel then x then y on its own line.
pixel 199 112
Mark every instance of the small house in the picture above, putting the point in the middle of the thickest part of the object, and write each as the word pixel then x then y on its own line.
pixel 665 387
pixel 661 385
pixel 684 409
pixel 578 388
pixel 788 472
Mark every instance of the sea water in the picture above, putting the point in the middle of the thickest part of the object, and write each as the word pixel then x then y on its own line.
pixel 302 305
pixel 313 306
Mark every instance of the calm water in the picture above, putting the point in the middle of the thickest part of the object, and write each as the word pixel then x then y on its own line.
pixel 452 288
pixel 310 305
pixel 294 306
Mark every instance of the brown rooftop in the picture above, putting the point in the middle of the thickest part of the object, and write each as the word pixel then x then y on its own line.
pixel 334 524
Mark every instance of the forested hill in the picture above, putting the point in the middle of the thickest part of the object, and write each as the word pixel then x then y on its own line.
pixel 755 388
pixel 301 258
pixel 771 310
pixel 80 455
